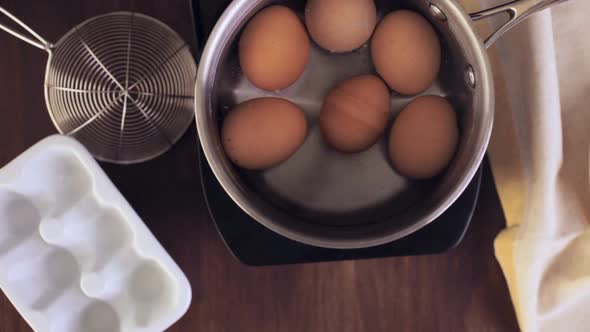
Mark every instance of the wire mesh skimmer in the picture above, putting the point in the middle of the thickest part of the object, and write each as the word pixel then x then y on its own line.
pixel 121 84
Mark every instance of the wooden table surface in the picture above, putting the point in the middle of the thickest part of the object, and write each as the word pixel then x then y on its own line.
pixel 462 290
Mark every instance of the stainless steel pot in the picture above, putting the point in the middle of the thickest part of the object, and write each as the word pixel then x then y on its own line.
pixel 329 199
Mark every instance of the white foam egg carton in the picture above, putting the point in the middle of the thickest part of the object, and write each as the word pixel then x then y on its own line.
pixel 74 255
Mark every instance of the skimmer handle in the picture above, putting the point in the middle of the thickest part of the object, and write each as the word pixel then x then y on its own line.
pixel 517 10
pixel 35 40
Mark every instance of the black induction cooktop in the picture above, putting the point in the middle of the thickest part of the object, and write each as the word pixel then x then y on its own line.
pixel 254 244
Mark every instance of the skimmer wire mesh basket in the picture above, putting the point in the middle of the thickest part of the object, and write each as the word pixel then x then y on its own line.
pixel 121 83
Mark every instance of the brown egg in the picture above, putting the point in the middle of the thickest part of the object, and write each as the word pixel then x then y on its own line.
pixel 340 25
pixel 355 113
pixel 263 132
pixel 274 48
pixel 406 52
pixel 424 137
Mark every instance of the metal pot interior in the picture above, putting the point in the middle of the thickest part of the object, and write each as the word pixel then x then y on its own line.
pixel 330 199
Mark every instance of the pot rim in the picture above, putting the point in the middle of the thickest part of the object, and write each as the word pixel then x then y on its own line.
pixel 210 60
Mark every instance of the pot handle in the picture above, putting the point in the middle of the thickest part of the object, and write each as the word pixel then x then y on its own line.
pixel 517 10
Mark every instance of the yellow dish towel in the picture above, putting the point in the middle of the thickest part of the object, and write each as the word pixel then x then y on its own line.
pixel 541 164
